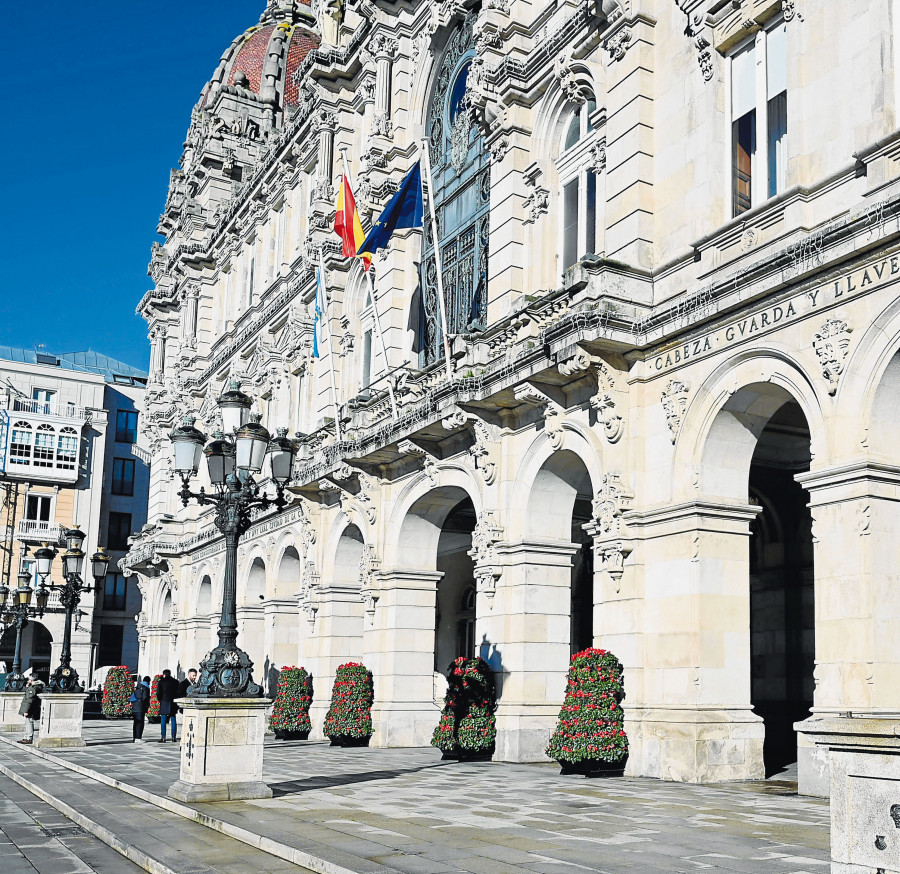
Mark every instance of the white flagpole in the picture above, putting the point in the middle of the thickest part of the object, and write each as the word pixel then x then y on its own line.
pixel 378 333
pixel 327 326
pixel 423 151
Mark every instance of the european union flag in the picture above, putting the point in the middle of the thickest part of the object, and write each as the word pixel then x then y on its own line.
pixel 404 210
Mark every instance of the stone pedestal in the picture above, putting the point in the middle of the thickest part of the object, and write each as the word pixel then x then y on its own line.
pixel 865 810
pixel 9 711
pixel 61 718
pixel 222 750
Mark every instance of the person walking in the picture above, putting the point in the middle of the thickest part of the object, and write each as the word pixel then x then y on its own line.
pixel 166 693
pixel 30 707
pixel 140 704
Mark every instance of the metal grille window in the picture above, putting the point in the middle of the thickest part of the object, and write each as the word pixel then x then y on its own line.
pixel 67 449
pixel 462 186
pixel 20 444
pixel 44 446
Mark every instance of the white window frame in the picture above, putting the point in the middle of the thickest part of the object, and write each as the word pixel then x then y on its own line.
pixel 49 496
pixel 367 358
pixel 574 165
pixel 759 168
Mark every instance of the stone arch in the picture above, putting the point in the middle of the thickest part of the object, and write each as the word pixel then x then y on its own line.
pixel 422 525
pixel 254 588
pixel 286 579
pixel 204 603
pixel 735 403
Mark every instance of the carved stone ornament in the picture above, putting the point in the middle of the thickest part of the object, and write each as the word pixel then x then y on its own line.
pixel 481 453
pixel 618 44
pixel 674 401
pixel 831 343
pixel 611 542
pixel 369 565
pixel 789 10
pixel 598 156
pixel 575 91
pixel 695 32
pixel 537 203
pixel 487 533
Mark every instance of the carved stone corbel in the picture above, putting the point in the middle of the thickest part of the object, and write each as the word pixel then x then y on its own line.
pixel 674 401
pixel 487 533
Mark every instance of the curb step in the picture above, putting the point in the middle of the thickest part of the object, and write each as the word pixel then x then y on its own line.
pixel 303 860
pixel 139 840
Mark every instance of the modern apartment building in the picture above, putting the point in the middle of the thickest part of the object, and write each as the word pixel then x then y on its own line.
pixel 69 457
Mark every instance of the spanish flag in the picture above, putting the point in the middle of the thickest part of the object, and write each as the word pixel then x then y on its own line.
pixel 346 221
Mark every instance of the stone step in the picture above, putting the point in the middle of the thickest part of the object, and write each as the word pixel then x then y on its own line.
pixel 291 849
pixel 158 840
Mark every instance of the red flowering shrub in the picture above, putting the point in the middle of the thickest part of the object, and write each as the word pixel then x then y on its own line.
pixel 350 714
pixel 117 693
pixel 591 719
pixel 292 700
pixel 467 723
pixel 153 712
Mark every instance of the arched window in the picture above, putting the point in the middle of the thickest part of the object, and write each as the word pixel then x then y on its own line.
pixel 367 333
pixel 578 186
pixel 20 444
pixel 67 449
pixel 461 175
pixel 44 446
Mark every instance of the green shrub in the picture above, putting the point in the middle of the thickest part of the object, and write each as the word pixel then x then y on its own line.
pixel 591 719
pixel 292 700
pixel 117 693
pixel 467 724
pixel 350 714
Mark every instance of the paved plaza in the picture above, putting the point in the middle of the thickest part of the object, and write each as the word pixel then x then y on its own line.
pixel 376 811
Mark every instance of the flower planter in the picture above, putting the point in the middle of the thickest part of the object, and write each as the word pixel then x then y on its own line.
pixel 291 735
pixel 467 756
pixel 347 741
pixel 467 728
pixel 594 768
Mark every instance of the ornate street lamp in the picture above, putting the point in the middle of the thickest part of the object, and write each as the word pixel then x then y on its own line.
pixel 17 612
pixel 232 459
pixel 65 677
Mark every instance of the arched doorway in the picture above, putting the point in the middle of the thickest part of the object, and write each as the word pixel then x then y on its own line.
pixel 251 624
pixel 455 605
pixel 758 444
pixel 282 627
pixel 36 648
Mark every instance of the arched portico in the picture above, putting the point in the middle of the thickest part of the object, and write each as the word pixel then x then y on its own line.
pixel 250 616
pixel 282 615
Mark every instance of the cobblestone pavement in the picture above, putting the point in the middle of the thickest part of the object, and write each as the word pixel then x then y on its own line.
pixel 406 810
pixel 36 837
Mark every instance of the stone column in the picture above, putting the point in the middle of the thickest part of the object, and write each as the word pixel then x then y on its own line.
pixel 61 719
pixel 522 631
pixel 336 638
pixel 189 324
pixel 856 516
pixel 222 750
pixel 9 711
pixel 383 49
pixel 398 647
pixel 322 185
pixel 680 624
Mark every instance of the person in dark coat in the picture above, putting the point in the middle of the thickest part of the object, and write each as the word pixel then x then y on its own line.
pixel 166 693
pixel 30 707
pixel 140 704
pixel 186 683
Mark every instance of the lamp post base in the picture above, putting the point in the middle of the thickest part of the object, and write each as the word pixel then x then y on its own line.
pixel 221 750
pixel 61 719
pixel 9 711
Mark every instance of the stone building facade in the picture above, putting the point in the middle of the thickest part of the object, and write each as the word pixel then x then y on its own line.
pixel 670 247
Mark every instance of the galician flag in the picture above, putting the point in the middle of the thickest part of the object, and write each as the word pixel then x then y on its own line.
pixel 321 305
pixel 346 220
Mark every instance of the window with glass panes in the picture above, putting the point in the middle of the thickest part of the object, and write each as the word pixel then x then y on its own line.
pixel 67 449
pixel 44 446
pixel 20 443
pixel 123 476
pixel 115 593
pixel 126 426
pixel 38 507
pixel 118 530
pixel 578 187
pixel 759 126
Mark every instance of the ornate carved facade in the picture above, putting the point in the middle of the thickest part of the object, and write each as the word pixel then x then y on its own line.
pixel 674 345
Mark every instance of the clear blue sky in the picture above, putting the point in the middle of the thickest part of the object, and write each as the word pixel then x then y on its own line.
pixel 97 99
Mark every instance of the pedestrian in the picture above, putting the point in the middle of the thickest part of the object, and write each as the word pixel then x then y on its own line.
pixel 187 682
pixel 140 704
pixel 30 707
pixel 166 693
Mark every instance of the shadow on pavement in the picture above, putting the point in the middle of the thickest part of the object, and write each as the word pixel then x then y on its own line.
pixel 290 787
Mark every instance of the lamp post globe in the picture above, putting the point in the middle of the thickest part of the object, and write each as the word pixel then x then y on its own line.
pixel 99 564
pixel 251 442
pixel 234 406
pixel 187 445
pixel 43 559
pixel 282 452
pixel 16 613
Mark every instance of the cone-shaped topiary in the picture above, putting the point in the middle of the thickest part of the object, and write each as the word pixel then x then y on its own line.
pixel 116 693
pixel 349 719
pixel 589 734
pixel 467 726
pixel 290 715
pixel 153 712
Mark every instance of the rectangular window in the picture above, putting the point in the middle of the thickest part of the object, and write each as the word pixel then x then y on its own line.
pixel 590 221
pixel 367 359
pixel 67 449
pixel 570 224
pixel 759 126
pixel 109 646
pixel 44 446
pixel 115 593
pixel 126 426
pixel 118 531
pixel 251 277
pixel 123 476
pixel 44 399
pixel 37 507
